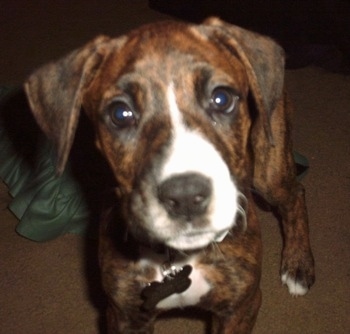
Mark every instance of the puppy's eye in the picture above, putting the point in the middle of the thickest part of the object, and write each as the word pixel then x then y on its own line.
pixel 223 100
pixel 121 114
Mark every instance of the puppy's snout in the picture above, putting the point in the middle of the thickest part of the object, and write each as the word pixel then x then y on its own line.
pixel 185 195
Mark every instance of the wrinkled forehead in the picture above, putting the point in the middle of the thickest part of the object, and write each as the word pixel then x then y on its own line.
pixel 172 53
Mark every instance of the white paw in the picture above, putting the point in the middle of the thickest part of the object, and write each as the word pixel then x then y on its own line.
pixel 294 287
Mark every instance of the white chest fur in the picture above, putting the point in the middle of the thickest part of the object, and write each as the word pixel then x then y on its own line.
pixel 199 286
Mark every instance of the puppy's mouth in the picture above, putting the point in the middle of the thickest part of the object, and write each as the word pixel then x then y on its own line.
pixel 195 240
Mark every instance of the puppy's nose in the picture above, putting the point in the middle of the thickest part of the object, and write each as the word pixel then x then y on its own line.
pixel 185 195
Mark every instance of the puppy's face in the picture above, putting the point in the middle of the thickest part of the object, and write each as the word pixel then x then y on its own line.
pixel 172 120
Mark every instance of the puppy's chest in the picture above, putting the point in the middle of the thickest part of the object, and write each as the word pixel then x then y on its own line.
pixel 198 288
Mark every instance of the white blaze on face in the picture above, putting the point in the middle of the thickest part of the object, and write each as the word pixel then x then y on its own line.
pixel 191 152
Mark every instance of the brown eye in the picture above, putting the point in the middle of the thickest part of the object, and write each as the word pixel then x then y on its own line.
pixel 223 100
pixel 121 114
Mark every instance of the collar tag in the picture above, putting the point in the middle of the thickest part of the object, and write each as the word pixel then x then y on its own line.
pixel 175 282
pixel 169 270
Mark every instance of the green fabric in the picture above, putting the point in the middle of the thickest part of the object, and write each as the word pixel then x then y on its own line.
pixel 302 165
pixel 46 205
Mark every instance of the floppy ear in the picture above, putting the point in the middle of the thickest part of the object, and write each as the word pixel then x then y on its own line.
pixel 263 60
pixel 55 93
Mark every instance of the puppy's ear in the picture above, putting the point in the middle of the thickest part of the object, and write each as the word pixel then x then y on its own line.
pixel 263 60
pixel 55 93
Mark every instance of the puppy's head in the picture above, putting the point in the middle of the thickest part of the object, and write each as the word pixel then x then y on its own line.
pixel 169 103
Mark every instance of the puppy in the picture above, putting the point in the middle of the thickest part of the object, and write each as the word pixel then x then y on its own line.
pixel 191 119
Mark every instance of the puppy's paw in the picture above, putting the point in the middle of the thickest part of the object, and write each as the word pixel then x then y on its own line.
pixel 295 287
pixel 298 277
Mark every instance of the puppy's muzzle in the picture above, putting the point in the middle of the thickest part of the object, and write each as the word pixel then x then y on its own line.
pixel 185 195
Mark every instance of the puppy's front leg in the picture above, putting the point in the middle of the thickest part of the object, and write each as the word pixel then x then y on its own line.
pixel 124 314
pixel 117 324
pixel 242 320
pixel 118 274
pixel 297 269
pixel 275 179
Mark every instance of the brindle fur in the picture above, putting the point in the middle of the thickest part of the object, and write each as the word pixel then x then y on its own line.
pixel 255 144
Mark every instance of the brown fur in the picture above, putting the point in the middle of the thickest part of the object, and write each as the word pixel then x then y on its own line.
pixel 255 144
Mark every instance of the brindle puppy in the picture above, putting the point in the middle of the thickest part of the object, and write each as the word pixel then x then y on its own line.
pixel 190 118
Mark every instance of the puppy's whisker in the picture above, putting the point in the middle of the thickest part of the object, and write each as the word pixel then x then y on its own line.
pixel 218 250
pixel 183 253
pixel 215 248
pixel 241 209
pixel 242 199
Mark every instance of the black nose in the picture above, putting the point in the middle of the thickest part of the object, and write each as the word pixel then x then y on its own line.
pixel 185 195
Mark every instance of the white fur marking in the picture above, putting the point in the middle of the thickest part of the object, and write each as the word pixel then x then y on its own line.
pixel 192 152
pixel 294 287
